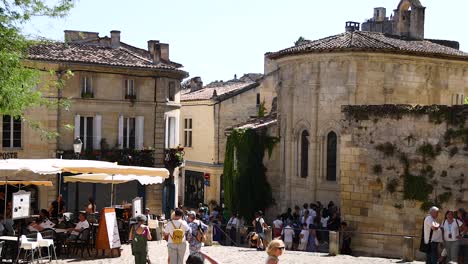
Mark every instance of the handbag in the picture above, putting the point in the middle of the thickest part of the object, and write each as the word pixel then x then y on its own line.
pixel 423 247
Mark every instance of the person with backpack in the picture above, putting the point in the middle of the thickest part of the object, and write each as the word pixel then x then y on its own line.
pixel 198 231
pixel 431 236
pixel 139 236
pixel 176 232
pixel 260 226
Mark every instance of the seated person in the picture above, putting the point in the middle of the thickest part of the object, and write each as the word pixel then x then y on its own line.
pixel 42 223
pixel 80 226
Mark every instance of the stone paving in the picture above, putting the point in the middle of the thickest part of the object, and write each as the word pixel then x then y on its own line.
pixel 232 255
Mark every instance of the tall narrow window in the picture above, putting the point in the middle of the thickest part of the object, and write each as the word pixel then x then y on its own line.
pixel 129 133
pixel 86 87
pixel 11 132
pixel 171 92
pixel 258 99
pixel 188 132
pixel 331 156
pixel 130 92
pixel 86 132
pixel 171 132
pixel 304 154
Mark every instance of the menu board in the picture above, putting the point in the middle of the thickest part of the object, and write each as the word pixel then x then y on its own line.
pixel 108 237
pixel 137 207
pixel 21 203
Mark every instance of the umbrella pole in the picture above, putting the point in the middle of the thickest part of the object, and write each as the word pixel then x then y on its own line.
pixel 6 195
pixel 112 190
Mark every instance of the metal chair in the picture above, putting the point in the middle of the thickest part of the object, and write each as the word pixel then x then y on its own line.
pixel 46 243
pixel 80 243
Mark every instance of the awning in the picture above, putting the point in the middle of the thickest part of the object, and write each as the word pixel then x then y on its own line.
pixel 37 183
pixel 115 179
pixel 53 166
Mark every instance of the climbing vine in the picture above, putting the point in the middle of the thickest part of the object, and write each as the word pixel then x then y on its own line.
pixel 246 189
pixel 420 182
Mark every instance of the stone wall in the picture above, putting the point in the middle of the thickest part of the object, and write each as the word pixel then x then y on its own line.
pixel 378 156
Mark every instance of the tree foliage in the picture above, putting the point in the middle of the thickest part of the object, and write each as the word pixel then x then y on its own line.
pixel 246 188
pixel 18 83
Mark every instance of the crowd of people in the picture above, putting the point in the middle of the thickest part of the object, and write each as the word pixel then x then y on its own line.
pixel 445 241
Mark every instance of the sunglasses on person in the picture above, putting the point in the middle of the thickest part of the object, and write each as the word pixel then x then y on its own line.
pixel 282 248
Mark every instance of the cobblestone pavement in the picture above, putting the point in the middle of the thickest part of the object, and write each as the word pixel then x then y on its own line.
pixel 232 255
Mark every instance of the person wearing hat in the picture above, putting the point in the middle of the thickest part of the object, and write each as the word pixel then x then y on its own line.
pixel 139 236
pixel 260 226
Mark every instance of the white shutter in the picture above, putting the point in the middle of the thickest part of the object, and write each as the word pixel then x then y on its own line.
pixel 77 126
pixel 139 135
pixel 121 126
pixel 97 132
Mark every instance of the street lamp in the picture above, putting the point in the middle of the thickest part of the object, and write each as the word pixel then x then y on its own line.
pixel 77 145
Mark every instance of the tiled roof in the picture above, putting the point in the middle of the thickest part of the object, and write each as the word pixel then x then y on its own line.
pixel 219 90
pixel 256 123
pixel 96 54
pixel 371 42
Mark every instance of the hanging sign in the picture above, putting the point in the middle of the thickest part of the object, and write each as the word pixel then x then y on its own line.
pixel 21 203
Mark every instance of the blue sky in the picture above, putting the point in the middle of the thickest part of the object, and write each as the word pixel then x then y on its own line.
pixel 216 39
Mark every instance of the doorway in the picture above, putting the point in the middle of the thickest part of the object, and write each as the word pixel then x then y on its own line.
pixel 194 188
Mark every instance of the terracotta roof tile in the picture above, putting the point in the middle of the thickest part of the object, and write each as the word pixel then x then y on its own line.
pixel 95 54
pixel 256 123
pixel 222 90
pixel 370 41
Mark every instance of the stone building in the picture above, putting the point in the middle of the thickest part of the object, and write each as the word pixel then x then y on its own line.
pixel 121 98
pixel 315 78
pixel 207 111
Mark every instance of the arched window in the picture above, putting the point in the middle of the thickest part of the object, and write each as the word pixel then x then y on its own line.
pixel 304 154
pixel 331 156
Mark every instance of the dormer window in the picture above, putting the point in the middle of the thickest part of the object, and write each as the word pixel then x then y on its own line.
pixel 130 92
pixel 171 92
pixel 86 87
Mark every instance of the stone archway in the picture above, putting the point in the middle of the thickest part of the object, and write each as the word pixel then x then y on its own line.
pixel 409 19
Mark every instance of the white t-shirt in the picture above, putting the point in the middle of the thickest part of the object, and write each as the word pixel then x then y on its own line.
pixel 305 234
pixel 436 234
pixel 312 213
pixel 80 225
pixel 176 224
pixel 451 229
pixel 324 221
pixel 277 223
pixel 288 233
pixel 233 223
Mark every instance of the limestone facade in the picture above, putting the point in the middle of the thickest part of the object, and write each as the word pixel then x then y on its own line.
pixel 372 183
pixel 212 109
pixel 120 97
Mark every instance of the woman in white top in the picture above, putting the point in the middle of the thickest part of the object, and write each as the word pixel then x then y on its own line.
pixel 91 208
pixel 452 234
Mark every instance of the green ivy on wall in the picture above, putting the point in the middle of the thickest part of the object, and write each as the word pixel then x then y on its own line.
pixel 246 189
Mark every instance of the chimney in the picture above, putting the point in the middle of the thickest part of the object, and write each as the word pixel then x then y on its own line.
pixel 352 26
pixel 164 51
pixel 152 49
pixel 115 39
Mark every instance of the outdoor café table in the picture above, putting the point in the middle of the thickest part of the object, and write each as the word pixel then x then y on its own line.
pixel 10 248
pixel 60 230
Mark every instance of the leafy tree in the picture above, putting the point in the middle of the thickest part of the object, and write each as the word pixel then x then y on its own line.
pixel 299 41
pixel 18 82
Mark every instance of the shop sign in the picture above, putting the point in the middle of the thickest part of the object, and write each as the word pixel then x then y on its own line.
pixel 8 155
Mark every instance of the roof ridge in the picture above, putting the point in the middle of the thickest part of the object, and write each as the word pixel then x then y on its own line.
pixel 365 35
pixel 134 55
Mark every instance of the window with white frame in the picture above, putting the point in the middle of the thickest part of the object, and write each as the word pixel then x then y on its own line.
pixel 86 131
pixel 130 92
pixel 11 132
pixel 86 86
pixel 129 132
pixel 458 99
pixel 188 132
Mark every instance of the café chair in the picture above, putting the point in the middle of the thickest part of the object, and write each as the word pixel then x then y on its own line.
pixel 28 246
pixel 46 243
